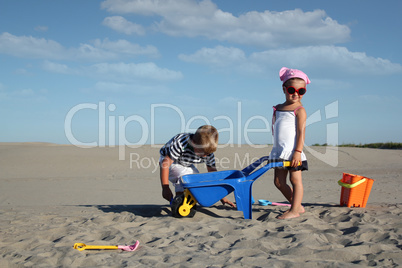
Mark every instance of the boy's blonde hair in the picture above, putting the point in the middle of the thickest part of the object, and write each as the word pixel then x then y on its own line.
pixel 206 138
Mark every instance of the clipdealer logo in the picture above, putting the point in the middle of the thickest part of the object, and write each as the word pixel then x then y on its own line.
pixel 108 125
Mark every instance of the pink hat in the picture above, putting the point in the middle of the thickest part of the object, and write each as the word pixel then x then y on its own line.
pixel 286 73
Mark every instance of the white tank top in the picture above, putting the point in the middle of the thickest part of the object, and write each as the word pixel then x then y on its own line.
pixel 284 134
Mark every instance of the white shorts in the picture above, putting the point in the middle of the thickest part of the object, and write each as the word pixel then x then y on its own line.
pixel 176 171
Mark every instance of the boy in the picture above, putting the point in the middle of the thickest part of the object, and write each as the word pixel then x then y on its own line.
pixel 179 155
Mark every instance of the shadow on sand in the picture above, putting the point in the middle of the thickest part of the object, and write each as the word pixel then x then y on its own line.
pixel 149 211
pixel 140 210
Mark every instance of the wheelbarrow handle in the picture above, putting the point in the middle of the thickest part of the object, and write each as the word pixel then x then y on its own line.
pixel 271 163
pixel 247 170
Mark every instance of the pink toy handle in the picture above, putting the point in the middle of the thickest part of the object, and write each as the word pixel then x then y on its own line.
pixel 130 247
pixel 280 204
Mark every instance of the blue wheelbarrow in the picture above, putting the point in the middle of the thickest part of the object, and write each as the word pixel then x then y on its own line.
pixel 208 188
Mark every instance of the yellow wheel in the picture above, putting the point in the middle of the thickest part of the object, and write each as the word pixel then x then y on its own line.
pixel 184 210
pixel 184 205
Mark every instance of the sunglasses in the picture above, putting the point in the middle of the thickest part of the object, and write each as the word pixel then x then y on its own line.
pixel 291 90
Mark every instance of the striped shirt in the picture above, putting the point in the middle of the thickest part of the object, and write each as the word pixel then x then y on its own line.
pixel 180 151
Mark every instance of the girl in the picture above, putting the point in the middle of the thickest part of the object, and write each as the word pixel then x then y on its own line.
pixel 289 123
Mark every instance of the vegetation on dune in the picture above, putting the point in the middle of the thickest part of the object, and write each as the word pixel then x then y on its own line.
pixel 378 145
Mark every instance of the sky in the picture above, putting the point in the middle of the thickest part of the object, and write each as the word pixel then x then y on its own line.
pixel 134 72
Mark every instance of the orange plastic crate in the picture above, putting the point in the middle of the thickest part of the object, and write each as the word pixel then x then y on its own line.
pixel 355 190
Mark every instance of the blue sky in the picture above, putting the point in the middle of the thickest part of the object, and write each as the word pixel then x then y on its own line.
pixel 135 72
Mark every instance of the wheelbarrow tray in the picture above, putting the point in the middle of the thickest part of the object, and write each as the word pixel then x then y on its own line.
pixel 209 188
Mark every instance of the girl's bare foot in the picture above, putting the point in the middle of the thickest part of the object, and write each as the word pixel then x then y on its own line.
pixel 288 215
pixel 302 210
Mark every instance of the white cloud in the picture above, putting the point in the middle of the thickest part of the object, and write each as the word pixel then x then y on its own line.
pixel 112 87
pixel 3 93
pixel 325 61
pixel 122 25
pixel 126 48
pixel 24 93
pixel 264 29
pixel 218 56
pixel 21 94
pixel 375 99
pixel 30 47
pixel 115 87
pixel 22 71
pixel 155 7
pixel 41 28
pixel 223 59
pixel 329 61
pixel 57 68
pixel 40 48
pixel 119 72
pixel 132 71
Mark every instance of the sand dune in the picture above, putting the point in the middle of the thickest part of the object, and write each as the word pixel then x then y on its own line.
pixel 53 196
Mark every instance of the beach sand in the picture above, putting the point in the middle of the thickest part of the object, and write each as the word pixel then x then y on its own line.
pixel 52 196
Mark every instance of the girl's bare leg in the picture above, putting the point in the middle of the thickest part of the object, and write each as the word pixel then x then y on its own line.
pixel 296 199
pixel 280 183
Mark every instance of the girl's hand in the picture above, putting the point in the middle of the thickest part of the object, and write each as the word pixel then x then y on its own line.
pixel 296 159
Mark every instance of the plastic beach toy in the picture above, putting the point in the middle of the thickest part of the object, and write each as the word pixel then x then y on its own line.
pixel 208 188
pixel 82 246
pixel 355 190
pixel 263 202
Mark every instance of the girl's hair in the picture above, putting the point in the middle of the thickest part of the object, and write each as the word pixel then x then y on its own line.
pixel 206 138
pixel 286 83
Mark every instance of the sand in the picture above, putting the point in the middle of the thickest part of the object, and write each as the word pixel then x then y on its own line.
pixel 52 196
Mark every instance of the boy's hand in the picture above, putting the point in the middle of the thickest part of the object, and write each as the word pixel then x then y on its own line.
pixel 226 201
pixel 167 193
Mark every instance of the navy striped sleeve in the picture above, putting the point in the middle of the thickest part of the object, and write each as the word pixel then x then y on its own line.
pixel 175 146
pixel 210 160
